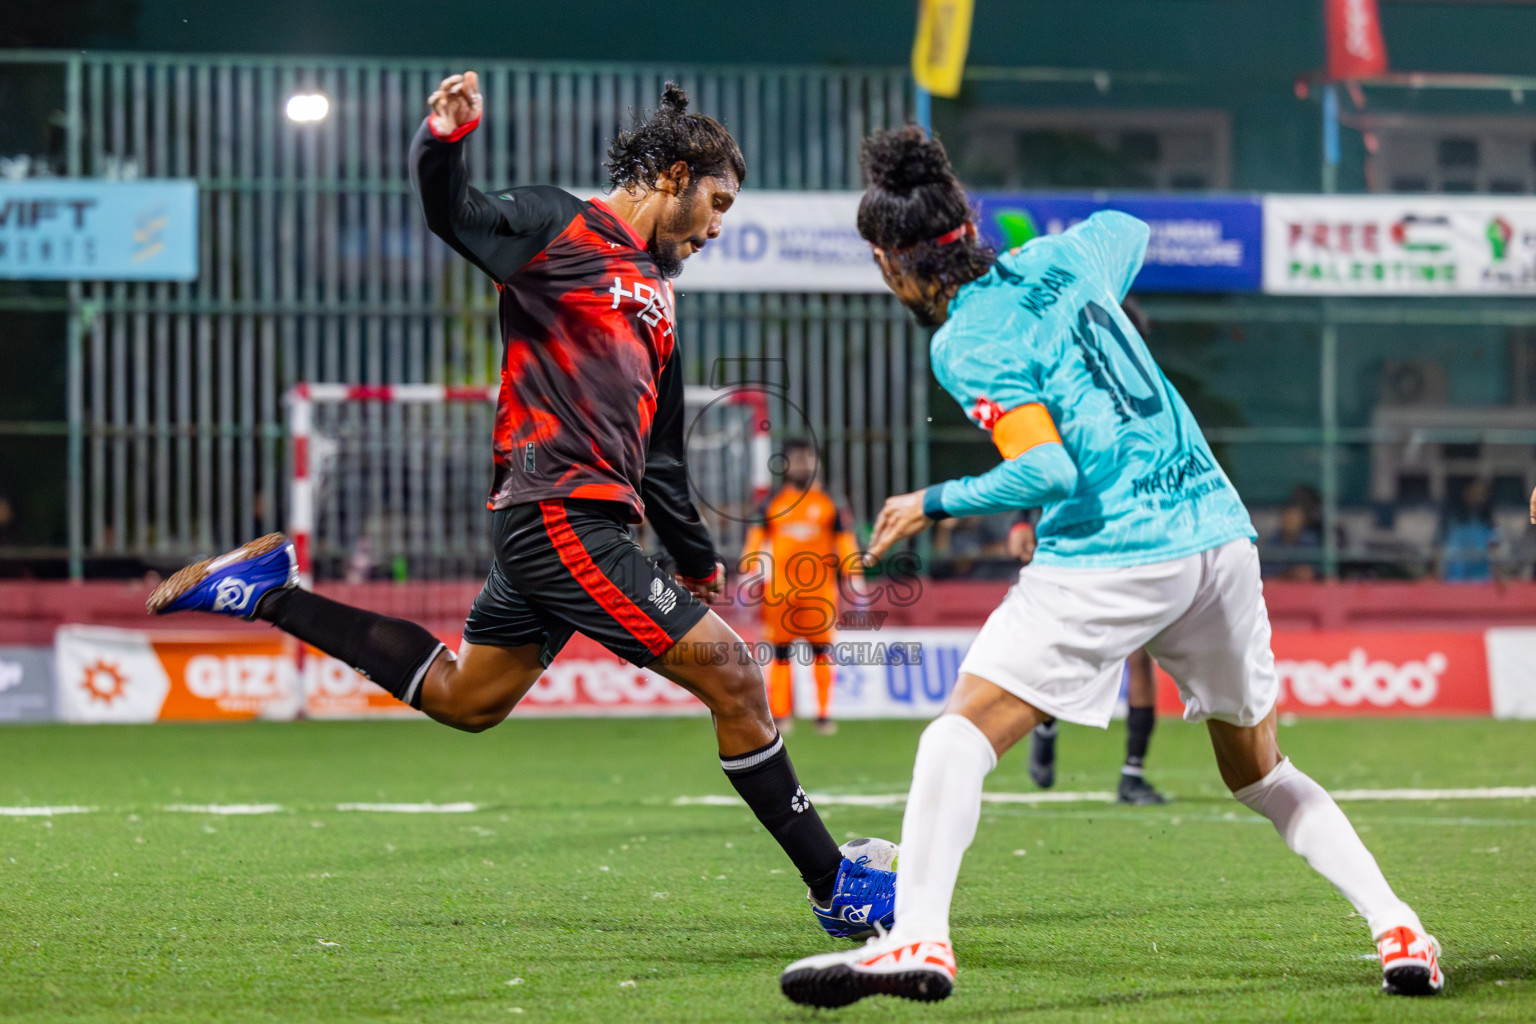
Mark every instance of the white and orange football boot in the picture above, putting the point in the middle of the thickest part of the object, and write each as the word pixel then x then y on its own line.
pixel 884 966
pixel 1410 963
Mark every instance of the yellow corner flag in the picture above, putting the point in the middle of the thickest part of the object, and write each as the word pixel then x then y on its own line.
pixel 943 36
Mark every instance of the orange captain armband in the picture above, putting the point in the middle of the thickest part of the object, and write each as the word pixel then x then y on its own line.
pixel 1019 430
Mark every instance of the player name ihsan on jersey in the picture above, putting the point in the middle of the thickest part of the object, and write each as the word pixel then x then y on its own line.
pixel 1046 292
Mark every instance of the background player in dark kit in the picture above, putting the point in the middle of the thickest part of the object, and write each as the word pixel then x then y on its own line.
pixel 588 438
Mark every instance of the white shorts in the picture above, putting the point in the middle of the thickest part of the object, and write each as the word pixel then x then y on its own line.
pixel 1060 636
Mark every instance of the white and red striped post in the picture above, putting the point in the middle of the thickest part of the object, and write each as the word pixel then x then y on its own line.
pixel 303 397
pixel 301 403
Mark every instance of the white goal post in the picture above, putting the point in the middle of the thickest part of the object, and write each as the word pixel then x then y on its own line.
pixel 391 478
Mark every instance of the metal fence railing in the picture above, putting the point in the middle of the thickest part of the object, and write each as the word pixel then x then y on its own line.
pixel 315 265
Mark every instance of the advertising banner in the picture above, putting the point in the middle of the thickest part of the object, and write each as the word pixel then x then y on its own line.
pixel 114 675
pixel 332 689
pixel 124 675
pixel 26 684
pixel 893 673
pixel 809 241
pixel 1205 244
pixel 786 242
pixel 584 680
pixel 74 229
pixel 1342 673
pixel 1400 245
pixel 1512 672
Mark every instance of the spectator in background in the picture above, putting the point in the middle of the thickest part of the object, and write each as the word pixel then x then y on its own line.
pixel 1468 538
pixel 973 546
pixel 1296 548
pixel 7 521
pixel 1141 705
pixel 799 547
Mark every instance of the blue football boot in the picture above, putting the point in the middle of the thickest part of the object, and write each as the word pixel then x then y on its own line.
pixel 232 584
pixel 863 902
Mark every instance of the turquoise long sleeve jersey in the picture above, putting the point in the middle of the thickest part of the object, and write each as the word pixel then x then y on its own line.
pixel 1132 480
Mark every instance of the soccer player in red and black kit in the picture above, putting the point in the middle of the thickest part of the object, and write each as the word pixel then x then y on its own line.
pixel 589 437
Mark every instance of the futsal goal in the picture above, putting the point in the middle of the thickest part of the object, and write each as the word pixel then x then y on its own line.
pixel 390 481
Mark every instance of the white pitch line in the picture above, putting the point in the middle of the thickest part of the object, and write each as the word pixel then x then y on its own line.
pixel 1485 793
pixel 459 808
pixel 1048 797
pixel 897 799
pixel 42 812
pixel 224 808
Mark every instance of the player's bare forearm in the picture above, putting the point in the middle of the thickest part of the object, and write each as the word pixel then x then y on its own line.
pixel 901 517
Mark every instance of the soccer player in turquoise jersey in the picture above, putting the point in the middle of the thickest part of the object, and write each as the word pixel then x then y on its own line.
pixel 1143 543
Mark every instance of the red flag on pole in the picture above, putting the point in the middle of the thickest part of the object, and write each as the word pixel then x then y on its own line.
pixel 1355 46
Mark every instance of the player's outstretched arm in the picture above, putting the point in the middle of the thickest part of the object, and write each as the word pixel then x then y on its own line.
pixel 498 235
pixel 1039 476
pixel 664 489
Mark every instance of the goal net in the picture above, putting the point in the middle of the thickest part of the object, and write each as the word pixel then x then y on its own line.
pixel 390 481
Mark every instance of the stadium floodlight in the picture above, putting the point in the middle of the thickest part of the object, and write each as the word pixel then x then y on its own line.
pixel 307 107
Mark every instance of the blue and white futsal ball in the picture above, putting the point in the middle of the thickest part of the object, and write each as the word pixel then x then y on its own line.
pixel 876 853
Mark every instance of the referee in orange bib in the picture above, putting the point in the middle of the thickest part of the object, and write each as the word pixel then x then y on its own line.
pixel 800 546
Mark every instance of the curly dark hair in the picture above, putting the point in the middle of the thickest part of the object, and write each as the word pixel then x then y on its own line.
pixel 670 134
pixel 912 197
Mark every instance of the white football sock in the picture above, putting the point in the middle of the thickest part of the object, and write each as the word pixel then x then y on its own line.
pixel 1312 825
pixel 953 758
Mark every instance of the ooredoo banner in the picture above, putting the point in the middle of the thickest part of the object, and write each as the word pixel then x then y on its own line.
pixel 1373 673
pixel 584 680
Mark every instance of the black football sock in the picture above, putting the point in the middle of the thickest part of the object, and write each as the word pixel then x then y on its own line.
pixel 1138 734
pixel 766 781
pixel 393 653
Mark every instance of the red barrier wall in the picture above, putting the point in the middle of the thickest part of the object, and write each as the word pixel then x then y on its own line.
pixel 31 611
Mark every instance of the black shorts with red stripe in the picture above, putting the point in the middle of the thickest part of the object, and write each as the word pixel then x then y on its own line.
pixel 569 565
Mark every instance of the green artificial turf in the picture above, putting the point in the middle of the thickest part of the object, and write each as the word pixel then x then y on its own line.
pixel 578 875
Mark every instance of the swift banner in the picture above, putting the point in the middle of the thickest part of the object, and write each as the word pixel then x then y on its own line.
pixel 1207 244
pixel 1399 245
pixel 79 230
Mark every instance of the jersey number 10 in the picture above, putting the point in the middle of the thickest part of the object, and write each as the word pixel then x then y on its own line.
pixel 1102 365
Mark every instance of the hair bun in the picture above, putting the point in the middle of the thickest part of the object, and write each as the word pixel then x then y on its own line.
pixel 906 159
pixel 673 99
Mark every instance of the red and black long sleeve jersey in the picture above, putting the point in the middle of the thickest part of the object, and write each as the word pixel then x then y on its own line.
pixel 591 402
